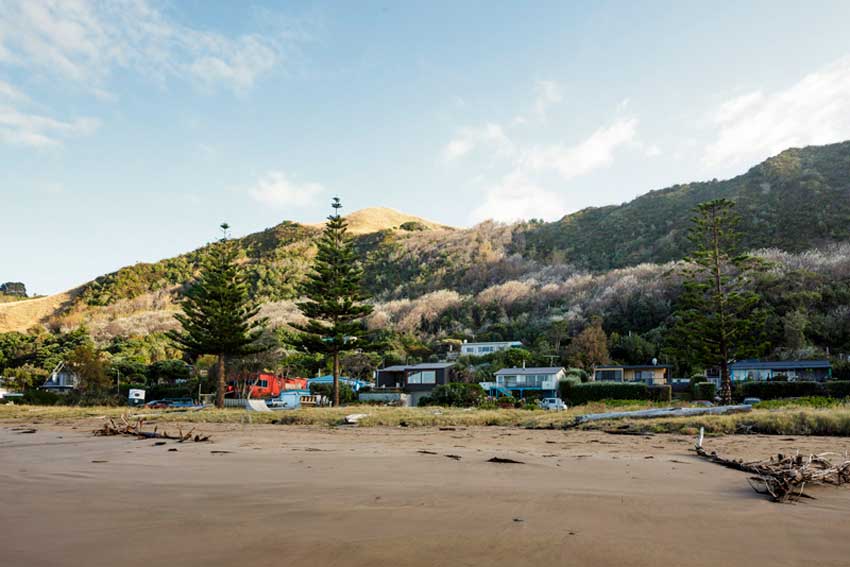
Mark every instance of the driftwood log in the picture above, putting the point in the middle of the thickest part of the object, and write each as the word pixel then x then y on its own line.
pixel 136 430
pixel 784 477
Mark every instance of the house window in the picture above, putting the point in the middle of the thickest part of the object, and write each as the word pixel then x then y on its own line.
pixel 423 377
pixel 644 375
pixel 263 383
pixel 610 375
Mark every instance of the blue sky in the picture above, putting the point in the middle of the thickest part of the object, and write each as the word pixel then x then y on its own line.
pixel 130 130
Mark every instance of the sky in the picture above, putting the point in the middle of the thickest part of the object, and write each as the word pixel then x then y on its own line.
pixel 129 130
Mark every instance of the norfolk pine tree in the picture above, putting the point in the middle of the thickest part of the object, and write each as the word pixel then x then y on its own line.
pixel 218 315
pixel 333 301
pixel 718 317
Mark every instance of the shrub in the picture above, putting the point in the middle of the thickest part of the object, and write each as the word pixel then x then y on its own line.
pixel 578 394
pixel 838 388
pixel 841 370
pixel 346 394
pixel 661 393
pixel 703 391
pixel 457 395
pixel 774 390
pixel 505 402
pixel 42 398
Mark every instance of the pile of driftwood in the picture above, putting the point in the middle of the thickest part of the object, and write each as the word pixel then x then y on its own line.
pixel 135 430
pixel 785 477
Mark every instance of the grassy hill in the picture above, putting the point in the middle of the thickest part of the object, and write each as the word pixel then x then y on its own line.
pixel 795 201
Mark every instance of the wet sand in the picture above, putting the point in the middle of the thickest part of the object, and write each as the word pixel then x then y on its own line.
pixel 306 496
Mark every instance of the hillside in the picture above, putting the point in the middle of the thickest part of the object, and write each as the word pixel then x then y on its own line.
pixel 796 201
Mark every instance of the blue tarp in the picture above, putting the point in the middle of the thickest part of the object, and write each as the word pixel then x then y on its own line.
pixel 329 379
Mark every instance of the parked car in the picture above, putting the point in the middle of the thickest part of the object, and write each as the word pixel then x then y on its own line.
pixel 751 401
pixel 553 404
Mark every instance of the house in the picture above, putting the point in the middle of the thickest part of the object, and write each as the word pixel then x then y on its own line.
pixel 483 349
pixel 793 370
pixel 417 380
pixel 517 382
pixel 61 380
pixel 648 373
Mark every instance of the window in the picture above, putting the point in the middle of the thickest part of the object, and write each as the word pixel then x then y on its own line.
pixel 263 383
pixel 423 377
pixel 644 375
pixel 610 375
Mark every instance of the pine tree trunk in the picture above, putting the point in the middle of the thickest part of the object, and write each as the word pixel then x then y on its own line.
pixel 336 379
pixel 725 381
pixel 219 395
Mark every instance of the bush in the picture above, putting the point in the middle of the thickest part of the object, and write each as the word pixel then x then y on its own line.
pixel 42 398
pixel 457 395
pixel 838 388
pixel 577 394
pixel 703 391
pixel 661 393
pixel 841 370
pixel 819 402
pixel 506 402
pixel 346 394
pixel 775 390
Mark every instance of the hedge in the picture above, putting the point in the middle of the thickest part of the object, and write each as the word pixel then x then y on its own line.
pixel 661 393
pixel 577 394
pixel 774 390
pixel 838 388
pixel 703 391
pixel 457 394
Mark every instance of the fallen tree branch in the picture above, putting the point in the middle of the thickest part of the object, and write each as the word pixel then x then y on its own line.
pixel 661 412
pixel 784 477
pixel 135 430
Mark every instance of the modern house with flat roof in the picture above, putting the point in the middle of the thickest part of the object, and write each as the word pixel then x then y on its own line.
pixel 744 370
pixel 417 380
pixel 518 382
pixel 483 349
pixel 647 373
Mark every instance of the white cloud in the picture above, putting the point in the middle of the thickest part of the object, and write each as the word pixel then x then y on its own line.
pixel 468 139
pixel 10 93
pixel 548 93
pixel 517 197
pixel 594 152
pixel 26 129
pixel 276 189
pixel 753 126
pixel 86 41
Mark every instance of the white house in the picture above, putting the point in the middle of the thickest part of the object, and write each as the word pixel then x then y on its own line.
pixel 517 381
pixel 482 349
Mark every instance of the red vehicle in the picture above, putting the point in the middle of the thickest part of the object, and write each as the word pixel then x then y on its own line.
pixel 265 385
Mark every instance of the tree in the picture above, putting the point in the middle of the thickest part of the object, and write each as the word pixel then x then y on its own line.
pixel 334 298
pixel 590 347
pixel 218 316
pixel 717 318
pixel 95 385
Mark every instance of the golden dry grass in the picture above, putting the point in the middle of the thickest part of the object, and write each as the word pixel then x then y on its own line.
pixel 786 421
pixel 23 315
pixel 374 219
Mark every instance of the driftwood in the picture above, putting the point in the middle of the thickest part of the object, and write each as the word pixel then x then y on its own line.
pixel 784 477
pixel 661 412
pixel 135 430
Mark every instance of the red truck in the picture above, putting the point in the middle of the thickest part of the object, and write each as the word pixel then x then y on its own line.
pixel 270 386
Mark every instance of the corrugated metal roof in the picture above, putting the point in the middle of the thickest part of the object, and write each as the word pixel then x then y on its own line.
pixel 632 366
pixel 422 366
pixel 527 371
pixel 780 365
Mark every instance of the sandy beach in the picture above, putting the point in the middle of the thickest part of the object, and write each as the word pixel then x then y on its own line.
pixel 271 495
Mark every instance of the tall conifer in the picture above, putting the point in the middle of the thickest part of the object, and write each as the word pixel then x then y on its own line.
pixel 218 316
pixel 333 297
pixel 717 318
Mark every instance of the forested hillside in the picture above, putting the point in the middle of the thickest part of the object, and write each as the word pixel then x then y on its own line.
pixel 543 282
